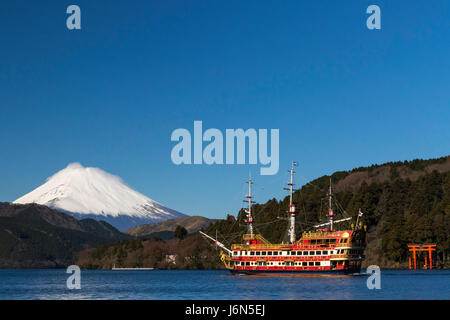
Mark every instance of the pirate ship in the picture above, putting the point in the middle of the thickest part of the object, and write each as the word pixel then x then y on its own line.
pixel 324 248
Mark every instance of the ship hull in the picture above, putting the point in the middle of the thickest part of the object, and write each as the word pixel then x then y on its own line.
pixel 352 269
pixel 294 272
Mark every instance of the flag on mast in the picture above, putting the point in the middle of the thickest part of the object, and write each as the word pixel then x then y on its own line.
pixel 360 213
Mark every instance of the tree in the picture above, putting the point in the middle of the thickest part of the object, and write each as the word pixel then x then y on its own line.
pixel 180 232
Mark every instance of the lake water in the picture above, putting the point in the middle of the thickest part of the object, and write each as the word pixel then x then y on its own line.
pixel 162 284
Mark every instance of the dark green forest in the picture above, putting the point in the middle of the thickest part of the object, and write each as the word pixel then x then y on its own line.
pixel 34 236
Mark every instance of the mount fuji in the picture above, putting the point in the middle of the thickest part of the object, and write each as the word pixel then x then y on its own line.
pixel 94 193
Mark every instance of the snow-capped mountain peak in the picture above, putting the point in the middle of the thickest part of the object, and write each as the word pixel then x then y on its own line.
pixel 92 192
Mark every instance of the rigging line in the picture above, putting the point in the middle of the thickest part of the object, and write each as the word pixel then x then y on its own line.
pixel 321 209
pixel 231 238
pixel 282 237
pixel 339 207
pixel 234 233
pixel 279 209
pixel 225 239
pixel 238 193
pixel 309 224
pixel 307 182
pixel 266 223
pixel 219 234
pixel 342 209
pixel 261 210
pixel 280 178
pixel 229 235
pixel 303 204
pixel 300 198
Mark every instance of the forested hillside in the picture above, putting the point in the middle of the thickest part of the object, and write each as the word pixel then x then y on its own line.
pixel 192 252
pixel 35 236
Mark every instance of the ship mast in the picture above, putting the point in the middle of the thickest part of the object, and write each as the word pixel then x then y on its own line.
pixel 249 210
pixel 330 207
pixel 291 228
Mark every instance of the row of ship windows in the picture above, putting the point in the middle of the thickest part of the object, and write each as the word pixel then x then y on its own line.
pixel 281 263
pixel 292 253
pixel 327 241
pixel 296 253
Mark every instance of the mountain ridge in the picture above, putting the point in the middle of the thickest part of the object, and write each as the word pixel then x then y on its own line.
pixel 382 172
pixel 191 224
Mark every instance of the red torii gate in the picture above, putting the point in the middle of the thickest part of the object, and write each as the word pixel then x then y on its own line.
pixel 422 247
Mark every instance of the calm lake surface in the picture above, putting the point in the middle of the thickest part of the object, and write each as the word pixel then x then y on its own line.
pixel 162 284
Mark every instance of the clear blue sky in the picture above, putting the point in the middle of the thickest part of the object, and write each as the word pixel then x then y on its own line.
pixel 110 95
